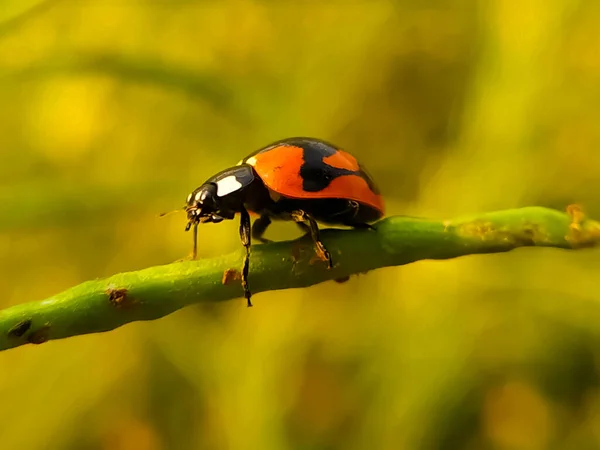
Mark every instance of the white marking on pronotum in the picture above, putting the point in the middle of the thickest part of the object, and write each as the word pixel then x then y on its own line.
pixel 198 196
pixel 189 197
pixel 228 185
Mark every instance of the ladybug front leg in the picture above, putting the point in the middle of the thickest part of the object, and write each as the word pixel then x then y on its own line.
pixel 303 218
pixel 245 236
pixel 195 242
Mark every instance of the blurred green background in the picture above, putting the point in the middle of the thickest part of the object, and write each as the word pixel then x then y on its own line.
pixel 111 112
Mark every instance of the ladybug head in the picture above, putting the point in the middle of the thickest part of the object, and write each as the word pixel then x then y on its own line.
pixel 203 206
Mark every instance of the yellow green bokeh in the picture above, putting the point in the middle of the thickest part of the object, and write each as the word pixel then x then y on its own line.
pixel 111 112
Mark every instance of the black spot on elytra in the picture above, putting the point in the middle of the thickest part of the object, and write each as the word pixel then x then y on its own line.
pixel 317 175
pixel 317 178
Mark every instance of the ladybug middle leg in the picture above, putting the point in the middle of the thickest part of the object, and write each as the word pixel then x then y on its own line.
pixel 307 221
pixel 245 237
pixel 305 228
pixel 259 227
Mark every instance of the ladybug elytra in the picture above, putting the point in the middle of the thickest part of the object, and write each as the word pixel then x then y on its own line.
pixel 304 180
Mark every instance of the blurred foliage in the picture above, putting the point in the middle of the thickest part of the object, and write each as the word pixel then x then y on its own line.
pixel 112 112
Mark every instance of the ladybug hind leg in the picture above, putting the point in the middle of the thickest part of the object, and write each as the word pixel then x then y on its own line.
pixel 245 237
pixel 306 221
pixel 350 215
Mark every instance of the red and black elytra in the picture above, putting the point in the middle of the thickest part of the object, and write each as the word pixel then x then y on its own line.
pixel 304 180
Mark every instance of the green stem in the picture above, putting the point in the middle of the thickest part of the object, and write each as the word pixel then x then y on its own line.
pixel 102 305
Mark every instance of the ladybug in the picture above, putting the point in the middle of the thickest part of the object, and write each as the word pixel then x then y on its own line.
pixel 300 179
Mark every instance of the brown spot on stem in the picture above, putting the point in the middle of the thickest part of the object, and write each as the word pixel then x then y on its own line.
pixel 342 279
pixel 40 335
pixel 19 329
pixel 119 297
pixel 577 216
pixel 531 234
pixel 347 277
pixel 527 234
pixel 231 275
pixel 479 229
pixel 583 232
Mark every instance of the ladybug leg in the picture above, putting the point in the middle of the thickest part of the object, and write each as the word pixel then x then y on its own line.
pixel 301 217
pixel 305 228
pixel 245 237
pixel 354 207
pixel 195 242
pixel 194 253
pixel 259 227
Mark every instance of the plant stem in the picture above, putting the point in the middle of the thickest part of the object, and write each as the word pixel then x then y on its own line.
pixel 103 305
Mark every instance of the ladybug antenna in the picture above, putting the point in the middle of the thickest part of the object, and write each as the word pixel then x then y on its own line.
pixel 170 212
